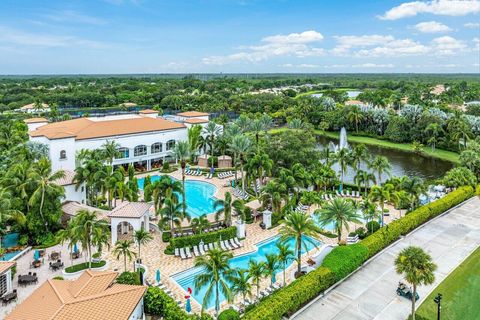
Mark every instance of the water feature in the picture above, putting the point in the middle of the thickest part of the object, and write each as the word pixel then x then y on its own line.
pixel 352 94
pixel 10 240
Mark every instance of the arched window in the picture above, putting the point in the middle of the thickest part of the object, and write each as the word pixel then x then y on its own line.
pixel 140 150
pixel 63 154
pixel 170 144
pixel 156 147
pixel 123 153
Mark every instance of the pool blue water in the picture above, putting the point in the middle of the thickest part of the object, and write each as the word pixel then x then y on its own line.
pixel 200 196
pixel 186 279
pixel 8 256
pixel 10 240
pixel 331 226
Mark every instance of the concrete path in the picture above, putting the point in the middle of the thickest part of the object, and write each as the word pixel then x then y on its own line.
pixel 370 293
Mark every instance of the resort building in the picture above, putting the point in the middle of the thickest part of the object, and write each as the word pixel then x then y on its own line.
pixel 35 108
pixel 94 295
pixel 6 284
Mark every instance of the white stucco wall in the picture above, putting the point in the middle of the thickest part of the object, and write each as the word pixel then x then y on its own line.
pixel 138 313
pixel 74 195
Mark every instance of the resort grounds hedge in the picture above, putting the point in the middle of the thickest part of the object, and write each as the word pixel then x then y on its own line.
pixel 188 241
pixel 343 260
pixel 83 266
pixel 229 314
pixel 291 298
pixel 158 303
pixel 478 190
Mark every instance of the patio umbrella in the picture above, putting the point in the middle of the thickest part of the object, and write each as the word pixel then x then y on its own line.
pixel 157 276
pixel 188 306
pixel 274 279
pixel 36 255
pixel 75 248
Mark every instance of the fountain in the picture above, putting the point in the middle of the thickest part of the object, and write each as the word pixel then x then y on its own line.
pixel 343 142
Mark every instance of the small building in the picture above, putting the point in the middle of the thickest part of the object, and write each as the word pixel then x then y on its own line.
pixel 149 113
pixel 224 162
pixel 128 217
pixel 72 193
pixel 71 208
pixel 183 116
pixel 6 284
pixel 203 160
pixel 94 296
pixel 190 122
pixel 35 108
pixel 34 123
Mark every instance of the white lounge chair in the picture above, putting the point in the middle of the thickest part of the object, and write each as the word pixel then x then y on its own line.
pixel 195 251
pixel 177 252
pixel 227 245
pixel 201 250
pixel 222 245
pixel 182 253
pixel 188 253
pixel 237 242
pixel 233 244
pixel 211 246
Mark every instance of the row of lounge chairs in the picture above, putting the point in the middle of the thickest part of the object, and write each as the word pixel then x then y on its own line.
pixel 186 253
pixel 302 208
pixel 354 194
pixel 239 194
pixel 193 172
pixel 170 293
pixel 223 175
pixel 240 307
pixel 189 232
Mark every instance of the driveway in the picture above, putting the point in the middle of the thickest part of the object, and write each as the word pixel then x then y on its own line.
pixel 370 293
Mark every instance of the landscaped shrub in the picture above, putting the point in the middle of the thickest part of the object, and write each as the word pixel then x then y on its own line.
pixel 160 304
pixel 229 314
pixel 58 278
pixel 182 242
pixel 372 226
pixel 129 278
pixel 478 190
pixel 166 235
pixel 291 298
pixel 166 166
pixel 391 232
pixel 361 232
pixel 83 266
pixel 344 260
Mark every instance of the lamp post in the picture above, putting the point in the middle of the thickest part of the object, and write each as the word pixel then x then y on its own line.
pixel 438 300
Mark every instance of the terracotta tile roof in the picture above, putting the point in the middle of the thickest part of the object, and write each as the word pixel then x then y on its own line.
pixel 92 296
pixel 5 265
pixel 148 111
pixel 195 120
pixel 35 120
pixel 71 208
pixel 189 114
pixel 130 210
pixel 128 104
pixel 83 128
pixel 68 179
pixel 33 106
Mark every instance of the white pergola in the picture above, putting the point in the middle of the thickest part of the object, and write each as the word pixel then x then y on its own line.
pixel 135 214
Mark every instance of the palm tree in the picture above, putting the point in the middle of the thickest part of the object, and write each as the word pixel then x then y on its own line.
pixel 241 283
pixel 355 116
pixel 90 231
pixel 194 134
pixel 256 127
pixel 6 211
pixel 141 237
pixel 382 194
pixel 417 268
pixel 381 165
pixel 267 122
pixel 272 265
pixel 211 130
pixel 107 178
pixel 369 211
pixel 340 212
pixel 123 248
pixel 243 122
pixel 256 270
pixel 415 187
pixel 271 195
pixel 296 124
pixel 110 150
pixel 359 153
pixel 285 255
pixel 343 158
pixel 226 208
pixel 199 224
pixel 263 165
pixel 216 275
pixel 364 178
pixel 296 226
pixel 182 152
pixel 171 214
pixel 240 145
pixel 40 174
pixel 433 131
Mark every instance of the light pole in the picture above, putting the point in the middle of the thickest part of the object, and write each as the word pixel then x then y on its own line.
pixel 438 301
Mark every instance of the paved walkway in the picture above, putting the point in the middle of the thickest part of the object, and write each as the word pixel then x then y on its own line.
pixel 370 293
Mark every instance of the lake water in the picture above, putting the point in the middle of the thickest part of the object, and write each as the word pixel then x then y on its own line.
pixel 403 163
pixel 350 93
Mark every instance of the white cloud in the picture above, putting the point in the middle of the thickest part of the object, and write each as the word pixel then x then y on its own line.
pixel 293 44
pixel 345 43
pixel 447 45
pixel 472 25
pixel 436 7
pixel 432 27
pixel 302 65
pixel 373 65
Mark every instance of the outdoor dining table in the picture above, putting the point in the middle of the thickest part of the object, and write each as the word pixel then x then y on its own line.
pixel 27 279
pixel 56 265
pixel 7 298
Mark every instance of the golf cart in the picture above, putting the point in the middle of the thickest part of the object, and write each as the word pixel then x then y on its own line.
pixel 404 291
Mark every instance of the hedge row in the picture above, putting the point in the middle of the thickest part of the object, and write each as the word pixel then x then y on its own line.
pixel 478 190
pixel 182 242
pixel 391 232
pixel 344 260
pixel 158 303
pixel 291 298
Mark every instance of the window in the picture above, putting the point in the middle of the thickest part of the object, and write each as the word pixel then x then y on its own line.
pixel 140 150
pixel 123 153
pixel 63 154
pixel 156 147
pixel 170 144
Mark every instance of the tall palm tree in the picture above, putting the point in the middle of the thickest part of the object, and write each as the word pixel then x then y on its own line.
pixel 199 224
pixel 263 165
pixel 241 145
pixel 343 158
pixel 107 178
pixel 226 207
pixel 272 265
pixel 256 270
pixel 417 268
pixel 241 283
pixel 381 165
pixel 41 176
pixel 171 214
pixel 123 248
pixel 243 122
pixel 110 150
pixel 90 231
pixel 369 211
pixel 382 194
pixel 194 133
pixel 415 187
pixel 212 131
pixel 7 212
pixel 285 255
pixel 340 212
pixel 271 195
pixel 359 153
pixel 433 131
pixel 216 275
pixel 364 178
pixel 141 237
pixel 181 153
pixel 355 116
pixel 256 127
pixel 296 226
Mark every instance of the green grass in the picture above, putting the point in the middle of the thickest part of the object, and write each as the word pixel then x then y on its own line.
pixel 460 292
pixel 83 266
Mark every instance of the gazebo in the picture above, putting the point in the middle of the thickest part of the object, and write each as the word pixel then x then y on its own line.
pixel 254 205
pixel 129 216
pixel 224 161
pixel 203 160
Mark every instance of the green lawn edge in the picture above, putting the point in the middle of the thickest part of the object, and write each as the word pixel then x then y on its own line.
pixel 460 293
pixel 427 151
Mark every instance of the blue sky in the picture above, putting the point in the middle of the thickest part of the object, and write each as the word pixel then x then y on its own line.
pixel 160 36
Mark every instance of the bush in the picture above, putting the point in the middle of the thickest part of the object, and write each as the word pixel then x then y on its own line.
pixel 166 235
pixel 23 240
pixel 391 232
pixel 182 242
pixel 345 259
pixel 166 166
pixel 372 226
pixel 291 298
pixel 46 241
pixel 478 190
pixel 58 278
pixel 158 303
pixel 126 277
pixel 229 314
pixel 213 161
pixel 83 266
pixel 96 255
pixel 361 232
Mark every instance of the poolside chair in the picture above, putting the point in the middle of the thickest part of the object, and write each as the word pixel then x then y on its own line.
pixel 182 253
pixel 188 253
pixel 195 251
pixel 222 245
pixel 233 244
pixel 237 242
pixel 201 250
pixel 177 252
pixel 227 245
pixel 211 246
pixel 337 193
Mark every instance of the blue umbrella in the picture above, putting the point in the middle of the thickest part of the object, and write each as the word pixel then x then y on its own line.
pixel 212 170
pixel 157 276
pixel 273 278
pixel 36 255
pixel 75 248
pixel 188 307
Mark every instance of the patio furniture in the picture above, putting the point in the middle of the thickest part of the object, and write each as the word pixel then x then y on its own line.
pixel 237 242
pixel 188 253
pixel 210 246
pixel 56 265
pixel 54 255
pixel 9 297
pixel 27 279
pixel 182 253
pixel 36 264
pixel 233 244
pixel 177 252
pixel 195 251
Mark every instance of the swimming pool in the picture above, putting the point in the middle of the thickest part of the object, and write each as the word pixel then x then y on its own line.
pixel 331 226
pixel 9 255
pixel 186 278
pixel 200 196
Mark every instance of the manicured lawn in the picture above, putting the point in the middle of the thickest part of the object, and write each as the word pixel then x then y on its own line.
pixel 460 292
pixel 83 266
